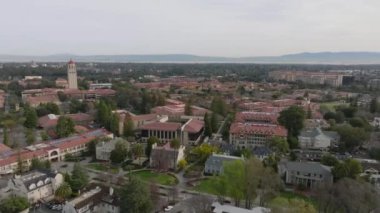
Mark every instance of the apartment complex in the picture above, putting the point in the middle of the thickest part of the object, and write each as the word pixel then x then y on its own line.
pixel 323 78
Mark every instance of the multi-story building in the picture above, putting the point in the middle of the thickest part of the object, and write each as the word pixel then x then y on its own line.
pixel 72 75
pixel 328 78
pixel 54 150
pixel 190 132
pixel 34 185
pixel 250 135
pixel 308 174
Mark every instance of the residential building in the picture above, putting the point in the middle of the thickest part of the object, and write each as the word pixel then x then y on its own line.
pixel 308 174
pixel 165 157
pixel 317 139
pixel 328 78
pixel 72 75
pixel 37 185
pixel 214 164
pixel 97 199
pixel 95 86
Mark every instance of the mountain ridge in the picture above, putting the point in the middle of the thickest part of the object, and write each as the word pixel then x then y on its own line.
pixel 349 57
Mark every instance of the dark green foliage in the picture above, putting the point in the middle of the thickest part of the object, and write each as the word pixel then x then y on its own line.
pixel 349 168
pixel 38 164
pixel 135 198
pixel 152 140
pixel 14 204
pixel 65 126
pixel 119 154
pixel 79 178
pixel 208 127
pixel 31 118
pixel 30 136
pixel 329 160
pixel 292 119
pixel 188 110
pixel 214 122
pixel 374 106
pixel 351 137
pixel 114 124
pixel 5 136
pixel 77 106
pixel 175 144
pixel 219 106
pixel 48 108
pixel 128 127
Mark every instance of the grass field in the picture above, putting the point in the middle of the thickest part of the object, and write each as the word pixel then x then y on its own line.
pixel 103 167
pixel 330 106
pixel 207 186
pixel 159 178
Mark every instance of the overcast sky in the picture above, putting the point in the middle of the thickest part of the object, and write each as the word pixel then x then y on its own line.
pixel 202 27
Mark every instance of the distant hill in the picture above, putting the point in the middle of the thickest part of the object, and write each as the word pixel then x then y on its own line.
pixel 299 58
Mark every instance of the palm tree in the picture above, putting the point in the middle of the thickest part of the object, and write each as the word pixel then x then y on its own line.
pixel 64 191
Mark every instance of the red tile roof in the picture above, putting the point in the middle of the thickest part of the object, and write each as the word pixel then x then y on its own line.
pixel 260 117
pixel 252 128
pixel 194 126
pixel 167 126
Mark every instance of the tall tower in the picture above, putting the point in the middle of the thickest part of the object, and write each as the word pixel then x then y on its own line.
pixel 72 75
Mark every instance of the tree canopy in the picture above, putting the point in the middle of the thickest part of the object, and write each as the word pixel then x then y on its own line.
pixel 135 197
pixel 14 204
pixel 292 119
pixel 65 126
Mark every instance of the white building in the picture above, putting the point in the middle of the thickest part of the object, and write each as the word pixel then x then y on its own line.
pixel 72 75
pixel 35 185
pixel 104 148
pixel 225 208
pixel 317 139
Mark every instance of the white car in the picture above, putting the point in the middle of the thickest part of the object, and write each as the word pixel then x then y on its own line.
pixel 168 208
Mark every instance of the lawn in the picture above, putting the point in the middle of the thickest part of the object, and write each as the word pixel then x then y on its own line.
pixel 330 106
pixel 103 167
pixel 159 178
pixel 293 195
pixel 206 186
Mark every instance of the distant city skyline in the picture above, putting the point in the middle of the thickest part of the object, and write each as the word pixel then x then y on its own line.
pixel 227 28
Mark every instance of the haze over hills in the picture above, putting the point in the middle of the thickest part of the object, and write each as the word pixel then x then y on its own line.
pixel 298 58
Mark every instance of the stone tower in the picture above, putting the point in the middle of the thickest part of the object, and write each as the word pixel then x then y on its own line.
pixel 72 75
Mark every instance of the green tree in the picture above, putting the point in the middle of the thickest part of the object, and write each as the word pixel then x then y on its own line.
pixel 104 113
pixel 114 124
pixel 208 127
pixel 374 106
pixel 135 197
pixel 14 204
pixel 119 154
pixel 65 126
pixel 63 191
pixel 182 164
pixel 349 168
pixel 31 118
pixel 30 136
pixel 38 164
pixel 175 143
pixel 219 106
pixel 79 178
pixel 279 145
pixel 214 122
pixel 129 129
pixel 5 136
pixel 329 160
pixel 351 137
pixel 151 140
pixel 44 135
pixel 292 119
pixel 138 151
pixel 188 110
pixel 204 151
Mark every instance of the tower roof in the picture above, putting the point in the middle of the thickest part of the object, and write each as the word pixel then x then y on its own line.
pixel 71 62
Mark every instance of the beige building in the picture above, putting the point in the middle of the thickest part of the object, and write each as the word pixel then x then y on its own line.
pixel 72 75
